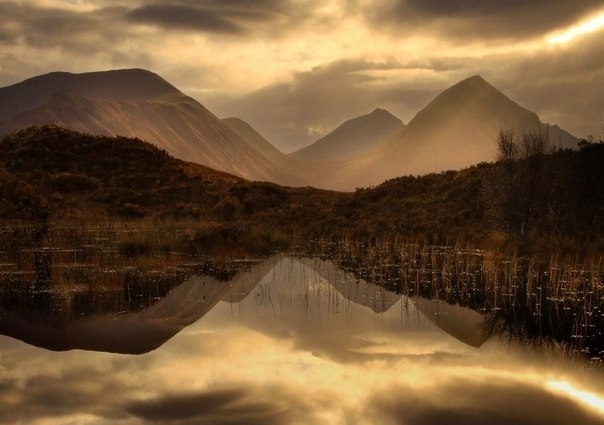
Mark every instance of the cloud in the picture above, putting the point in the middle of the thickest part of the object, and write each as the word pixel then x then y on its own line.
pixel 43 27
pixel 218 406
pixel 236 18
pixel 473 403
pixel 463 20
pixel 295 113
pixel 182 17
pixel 65 394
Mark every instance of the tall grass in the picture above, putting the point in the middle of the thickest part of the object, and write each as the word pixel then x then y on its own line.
pixel 556 298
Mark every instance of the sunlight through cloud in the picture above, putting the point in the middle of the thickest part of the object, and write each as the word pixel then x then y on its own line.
pixel 591 25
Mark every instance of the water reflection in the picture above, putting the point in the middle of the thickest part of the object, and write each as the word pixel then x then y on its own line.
pixel 295 341
pixel 109 320
pixel 531 300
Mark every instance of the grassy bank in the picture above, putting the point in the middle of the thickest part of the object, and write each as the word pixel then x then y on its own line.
pixel 51 177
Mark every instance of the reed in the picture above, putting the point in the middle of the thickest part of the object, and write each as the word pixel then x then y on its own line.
pixel 559 298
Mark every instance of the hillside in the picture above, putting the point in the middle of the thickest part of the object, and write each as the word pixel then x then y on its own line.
pixel 258 142
pixel 52 174
pixel 354 137
pixel 455 130
pixel 137 103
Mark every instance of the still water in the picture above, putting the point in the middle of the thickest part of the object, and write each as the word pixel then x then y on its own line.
pixel 284 341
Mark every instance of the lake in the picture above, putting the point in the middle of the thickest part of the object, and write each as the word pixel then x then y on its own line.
pixel 99 335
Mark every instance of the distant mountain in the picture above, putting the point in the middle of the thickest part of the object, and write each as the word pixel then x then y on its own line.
pixel 352 138
pixel 456 129
pixel 136 103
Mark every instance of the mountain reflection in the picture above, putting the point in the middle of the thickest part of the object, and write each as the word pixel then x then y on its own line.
pixel 287 341
pixel 104 321
pixel 311 288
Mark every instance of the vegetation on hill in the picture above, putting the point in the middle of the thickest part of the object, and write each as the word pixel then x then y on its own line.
pixel 48 174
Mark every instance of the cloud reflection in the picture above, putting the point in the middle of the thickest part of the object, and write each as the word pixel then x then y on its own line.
pixel 478 403
pixel 221 406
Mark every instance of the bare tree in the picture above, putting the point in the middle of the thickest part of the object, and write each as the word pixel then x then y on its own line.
pixel 523 195
pixel 507 149
pixel 534 144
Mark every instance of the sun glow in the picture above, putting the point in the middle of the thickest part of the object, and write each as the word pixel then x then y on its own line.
pixel 591 25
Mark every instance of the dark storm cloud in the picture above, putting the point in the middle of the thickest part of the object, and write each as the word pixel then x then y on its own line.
pixel 70 393
pixel 469 19
pixel 95 30
pixel 267 404
pixel 236 17
pixel 183 17
pixel 43 27
pixel 52 396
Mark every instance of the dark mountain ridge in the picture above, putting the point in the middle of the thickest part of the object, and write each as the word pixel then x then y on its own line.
pixel 51 173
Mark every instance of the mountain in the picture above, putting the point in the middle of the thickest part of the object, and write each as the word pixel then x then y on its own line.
pixel 136 103
pixel 353 137
pixel 246 132
pixel 455 130
pixel 49 173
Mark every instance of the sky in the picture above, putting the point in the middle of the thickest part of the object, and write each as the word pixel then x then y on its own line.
pixel 296 69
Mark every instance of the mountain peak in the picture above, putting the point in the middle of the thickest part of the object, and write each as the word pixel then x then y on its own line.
pixel 381 114
pixel 379 111
pixel 472 85
pixel 122 85
pixel 476 78
pixel 353 137
pixel 474 81
pixel 475 95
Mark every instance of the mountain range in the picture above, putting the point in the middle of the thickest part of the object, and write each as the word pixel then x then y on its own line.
pixel 456 129
pixel 137 103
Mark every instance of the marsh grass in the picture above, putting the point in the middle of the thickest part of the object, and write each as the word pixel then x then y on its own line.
pixel 73 269
pixel 125 265
pixel 554 299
